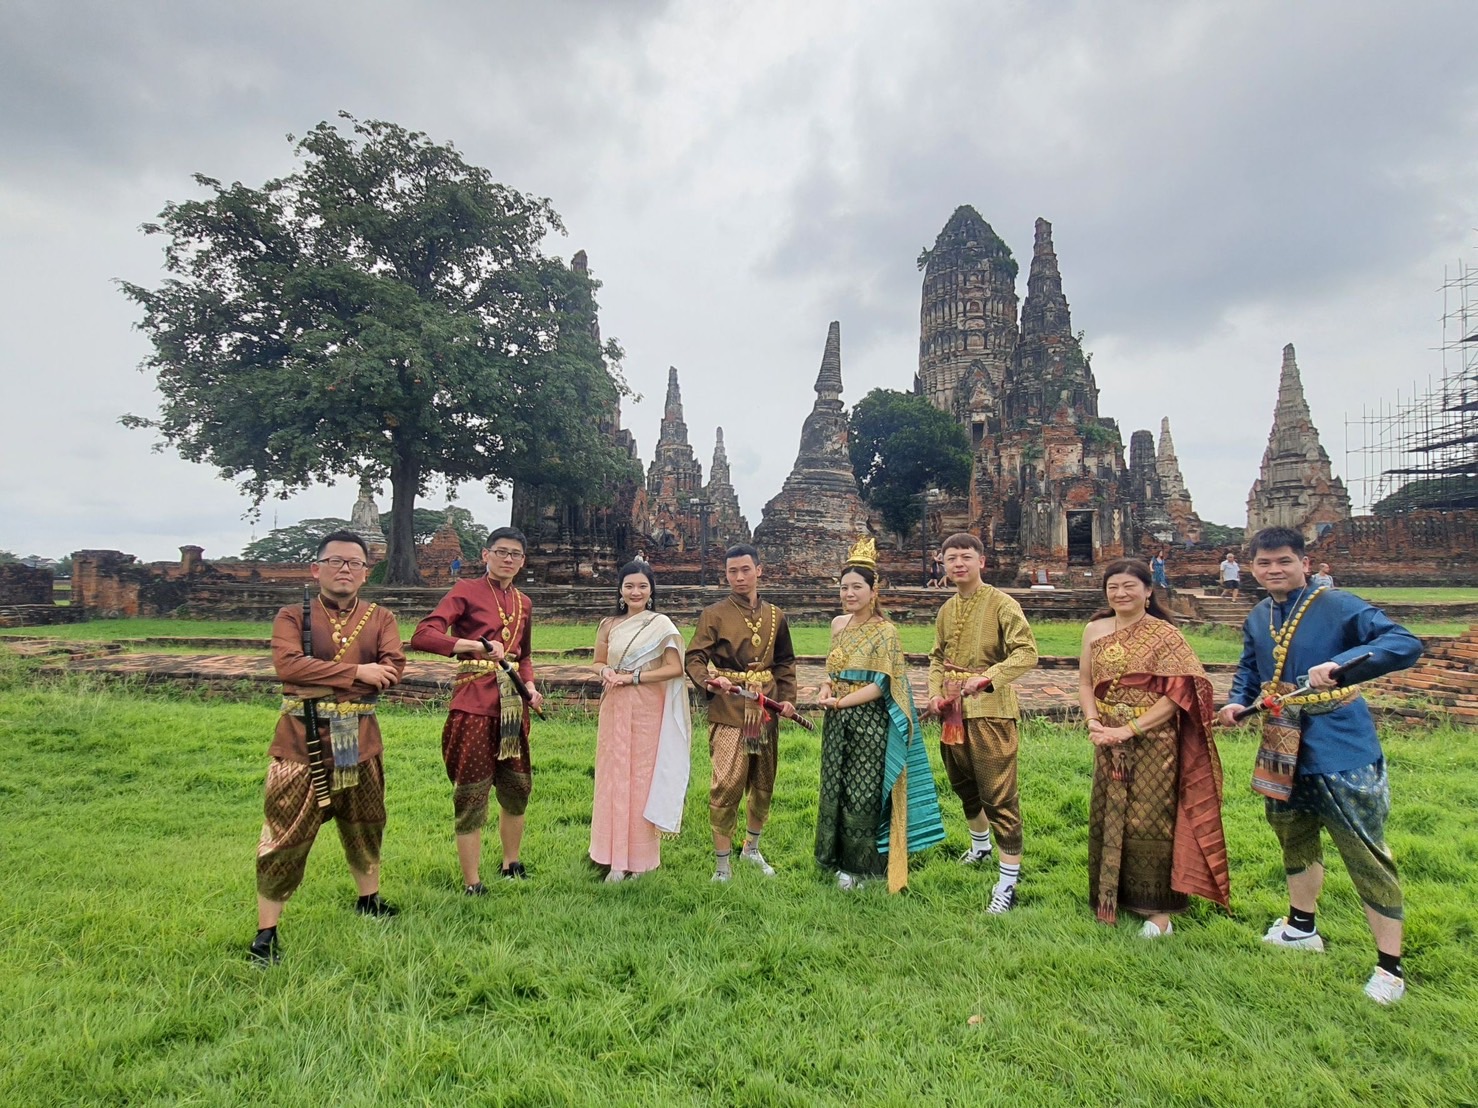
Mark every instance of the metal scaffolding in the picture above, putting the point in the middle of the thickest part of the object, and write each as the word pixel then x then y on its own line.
pixel 1421 450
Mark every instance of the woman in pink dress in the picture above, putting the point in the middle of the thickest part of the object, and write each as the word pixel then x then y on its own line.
pixel 641 747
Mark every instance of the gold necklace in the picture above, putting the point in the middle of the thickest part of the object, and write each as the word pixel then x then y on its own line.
pixel 336 626
pixel 755 626
pixel 507 618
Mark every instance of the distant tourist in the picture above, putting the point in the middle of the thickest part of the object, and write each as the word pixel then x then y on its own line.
pixel 1154 823
pixel 742 643
pixel 485 623
pixel 982 643
pixel 877 803
pixel 1231 575
pixel 356 653
pixel 1157 570
pixel 1323 579
pixel 1321 764
pixel 456 568
pixel 644 734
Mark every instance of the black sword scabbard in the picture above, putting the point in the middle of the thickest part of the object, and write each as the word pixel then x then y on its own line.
pixel 317 772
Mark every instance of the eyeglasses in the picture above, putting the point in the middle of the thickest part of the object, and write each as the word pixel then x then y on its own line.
pixel 340 563
pixel 511 555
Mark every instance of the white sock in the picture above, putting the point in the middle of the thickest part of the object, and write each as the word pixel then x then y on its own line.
pixel 721 861
pixel 752 842
pixel 1010 874
pixel 980 840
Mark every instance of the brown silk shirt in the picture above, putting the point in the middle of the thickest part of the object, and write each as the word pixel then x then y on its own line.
pixel 724 639
pixel 378 641
pixel 470 611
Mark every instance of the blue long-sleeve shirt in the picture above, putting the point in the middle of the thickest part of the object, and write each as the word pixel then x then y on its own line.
pixel 1338 627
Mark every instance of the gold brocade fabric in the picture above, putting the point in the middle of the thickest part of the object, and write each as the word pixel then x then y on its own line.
pixel 874 647
pixel 1155 823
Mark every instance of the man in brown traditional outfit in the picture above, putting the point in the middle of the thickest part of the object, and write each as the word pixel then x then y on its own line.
pixel 982 643
pixel 356 653
pixel 742 643
pixel 485 623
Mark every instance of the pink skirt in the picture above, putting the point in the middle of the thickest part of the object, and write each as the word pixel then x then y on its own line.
pixel 625 755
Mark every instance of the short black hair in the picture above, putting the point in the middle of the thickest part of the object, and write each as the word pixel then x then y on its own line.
pixel 341 536
pixel 505 533
pixel 1276 538
pixel 742 550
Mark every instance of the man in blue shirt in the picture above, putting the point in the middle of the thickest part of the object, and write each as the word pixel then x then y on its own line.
pixel 1339 780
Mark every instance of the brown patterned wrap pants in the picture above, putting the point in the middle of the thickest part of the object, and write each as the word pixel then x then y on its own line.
pixel 982 772
pixel 735 771
pixel 293 819
pixel 469 746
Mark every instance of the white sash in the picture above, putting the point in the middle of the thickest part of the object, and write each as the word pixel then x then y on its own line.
pixel 644 644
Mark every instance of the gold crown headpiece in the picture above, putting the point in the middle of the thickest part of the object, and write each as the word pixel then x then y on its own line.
pixel 864 553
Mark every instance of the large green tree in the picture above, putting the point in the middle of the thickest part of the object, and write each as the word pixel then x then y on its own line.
pixel 901 446
pixel 297 542
pixel 385 309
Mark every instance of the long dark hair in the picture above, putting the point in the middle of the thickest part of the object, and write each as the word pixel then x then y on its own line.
pixel 629 569
pixel 1138 568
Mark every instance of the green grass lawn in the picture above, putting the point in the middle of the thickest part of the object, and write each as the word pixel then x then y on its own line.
pixel 1396 595
pixel 1054 637
pixel 127 898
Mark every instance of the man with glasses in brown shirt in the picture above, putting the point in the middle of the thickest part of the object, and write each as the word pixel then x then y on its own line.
pixel 485 743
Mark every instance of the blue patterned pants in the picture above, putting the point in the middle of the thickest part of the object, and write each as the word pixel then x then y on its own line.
pixel 1352 806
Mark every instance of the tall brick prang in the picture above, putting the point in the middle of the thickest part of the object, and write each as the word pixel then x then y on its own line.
pixel 1296 486
pixel 816 517
pixel 726 523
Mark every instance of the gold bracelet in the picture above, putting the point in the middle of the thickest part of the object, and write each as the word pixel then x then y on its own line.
pixel 1135 728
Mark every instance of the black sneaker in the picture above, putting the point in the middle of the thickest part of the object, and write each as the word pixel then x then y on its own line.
pixel 478 889
pixel 372 905
pixel 265 950
pixel 514 871
pixel 1002 899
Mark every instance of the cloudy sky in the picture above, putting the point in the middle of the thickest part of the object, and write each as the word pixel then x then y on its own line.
pixel 1222 178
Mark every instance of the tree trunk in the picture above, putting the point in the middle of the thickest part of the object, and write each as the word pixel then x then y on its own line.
pixel 400 553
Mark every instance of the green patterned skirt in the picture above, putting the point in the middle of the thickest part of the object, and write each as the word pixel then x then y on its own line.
pixel 854 745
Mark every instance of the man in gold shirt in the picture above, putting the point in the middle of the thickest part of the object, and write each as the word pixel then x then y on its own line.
pixel 982 643
pixel 741 643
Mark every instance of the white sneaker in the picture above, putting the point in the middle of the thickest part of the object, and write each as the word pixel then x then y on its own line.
pixel 847 882
pixel 615 877
pixel 755 858
pixel 1002 899
pixel 722 876
pixel 973 857
pixel 1384 987
pixel 1150 931
pixel 1280 934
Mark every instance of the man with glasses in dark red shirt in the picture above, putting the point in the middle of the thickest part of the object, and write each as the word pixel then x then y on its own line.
pixel 483 623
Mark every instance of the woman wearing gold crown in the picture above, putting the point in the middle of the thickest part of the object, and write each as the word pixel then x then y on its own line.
pixel 878 803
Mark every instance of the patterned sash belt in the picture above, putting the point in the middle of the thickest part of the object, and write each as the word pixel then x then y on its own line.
pixel 953 719
pixel 752 731
pixel 343 728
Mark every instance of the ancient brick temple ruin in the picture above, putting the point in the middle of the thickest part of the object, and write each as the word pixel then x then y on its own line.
pixel 1295 486
pixel 726 522
pixel 817 515
pixel 674 482
pixel 1049 488
pixel 571 540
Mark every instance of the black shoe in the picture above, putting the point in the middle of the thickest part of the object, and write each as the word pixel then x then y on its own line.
pixel 265 950
pixel 514 871
pixel 475 890
pixel 372 905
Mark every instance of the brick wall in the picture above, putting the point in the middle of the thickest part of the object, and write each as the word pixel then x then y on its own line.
pixel 23 585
